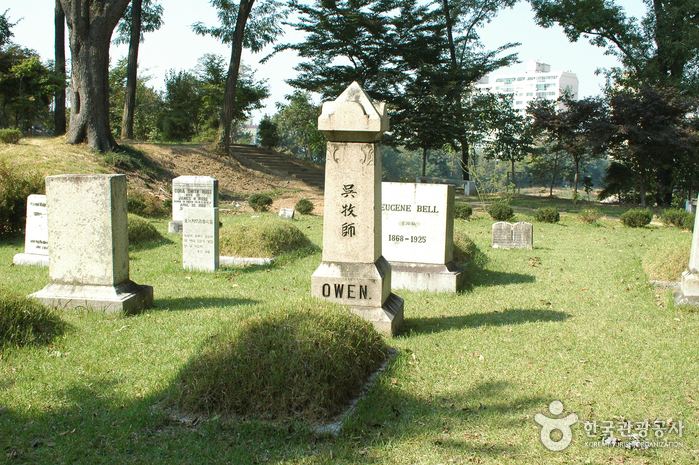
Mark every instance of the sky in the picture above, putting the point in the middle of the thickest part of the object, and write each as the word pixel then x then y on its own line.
pixel 176 47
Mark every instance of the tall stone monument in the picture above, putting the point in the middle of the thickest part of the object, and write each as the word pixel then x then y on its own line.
pixel 353 271
pixel 689 288
pixel 418 236
pixel 89 246
pixel 36 235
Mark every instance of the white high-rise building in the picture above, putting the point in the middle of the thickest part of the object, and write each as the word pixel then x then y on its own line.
pixel 538 82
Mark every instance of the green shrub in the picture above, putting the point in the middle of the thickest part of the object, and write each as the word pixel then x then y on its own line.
pixel 304 206
pixel 688 222
pixel 140 230
pixel 10 136
pixel 262 237
pixel 143 204
pixel 305 360
pixel 636 218
pixel 26 321
pixel 462 211
pixel 678 217
pixel 15 187
pixel 500 211
pixel 590 215
pixel 466 251
pixel 260 202
pixel 547 215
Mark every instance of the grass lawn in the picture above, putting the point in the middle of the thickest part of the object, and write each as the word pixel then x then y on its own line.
pixel 573 320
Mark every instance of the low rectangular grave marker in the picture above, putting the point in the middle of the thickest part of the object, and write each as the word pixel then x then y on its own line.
pixel 513 236
pixel 36 236
pixel 200 246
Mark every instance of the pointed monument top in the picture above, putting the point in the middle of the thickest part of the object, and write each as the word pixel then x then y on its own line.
pixel 353 117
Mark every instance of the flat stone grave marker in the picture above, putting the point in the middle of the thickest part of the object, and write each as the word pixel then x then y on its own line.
pixel 353 272
pixel 36 236
pixel 513 236
pixel 200 246
pixel 286 213
pixel 89 246
pixel 418 236
pixel 191 192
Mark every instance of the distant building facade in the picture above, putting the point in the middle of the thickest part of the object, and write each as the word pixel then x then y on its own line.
pixel 539 82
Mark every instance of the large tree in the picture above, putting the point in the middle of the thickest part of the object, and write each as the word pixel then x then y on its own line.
pixel 91 23
pixel 140 17
pixel 59 98
pixel 263 29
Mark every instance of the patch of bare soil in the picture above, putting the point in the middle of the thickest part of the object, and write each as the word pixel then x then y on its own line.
pixel 235 181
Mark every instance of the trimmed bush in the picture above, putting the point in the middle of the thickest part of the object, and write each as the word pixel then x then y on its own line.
pixel 10 136
pixel 262 237
pixel 304 206
pixel 688 222
pixel 260 202
pixel 25 321
pixel 636 218
pixel 462 211
pixel 140 230
pixel 149 206
pixel 305 360
pixel 466 251
pixel 15 187
pixel 500 211
pixel 678 217
pixel 547 215
pixel 590 215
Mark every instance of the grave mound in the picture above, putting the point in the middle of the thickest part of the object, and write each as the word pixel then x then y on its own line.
pixel 25 321
pixel 263 237
pixel 304 360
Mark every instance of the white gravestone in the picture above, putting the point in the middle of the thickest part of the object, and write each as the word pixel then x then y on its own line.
pixel 513 236
pixel 191 192
pixel 36 236
pixel 353 272
pixel 200 239
pixel 286 213
pixel 89 246
pixel 418 236
pixel 689 287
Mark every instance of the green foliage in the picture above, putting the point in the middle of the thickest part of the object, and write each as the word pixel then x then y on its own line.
pixel 304 360
pixel 462 211
pixel 547 215
pixel 676 217
pixel 10 136
pixel 500 211
pixel 262 237
pixel 304 206
pixel 268 133
pixel 14 189
pixel 25 321
pixel 260 202
pixel 140 230
pixel 688 222
pixel 466 251
pixel 144 204
pixel 618 181
pixel 590 215
pixel 636 218
pixel 297 125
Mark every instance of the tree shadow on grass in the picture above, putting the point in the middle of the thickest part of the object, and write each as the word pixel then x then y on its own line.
pixel 194 303
pixel 475 320
pixel 154 244
pixel 480 277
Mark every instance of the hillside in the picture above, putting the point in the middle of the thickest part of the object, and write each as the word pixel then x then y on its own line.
pixel 151 167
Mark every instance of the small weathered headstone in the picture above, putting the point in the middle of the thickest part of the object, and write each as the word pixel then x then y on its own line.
pixel 470 188
pixel 36 236
pixel 286 213
pixel 191 192
pixel 689 287
pixel 418 236
pixel 200 239
pixel 89 246
pixel 513 236
pixel 353 272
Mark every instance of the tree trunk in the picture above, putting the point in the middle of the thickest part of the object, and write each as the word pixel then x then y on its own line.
pixel 575 188
pixel 643 188
pixel 59 113
pixel 424 160
pixel 464 159
pixel 91 23
pixel 553 178
pixel 224 140
pixel 514 184
pixel 131 71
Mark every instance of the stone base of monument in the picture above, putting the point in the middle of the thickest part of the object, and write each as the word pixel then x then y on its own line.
pixel 470 188
pixel 127 297
pixel 427 277
pixel 244 261
pixel 689 289
pixel 24 259
pixel 363 287
pixel 174 227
